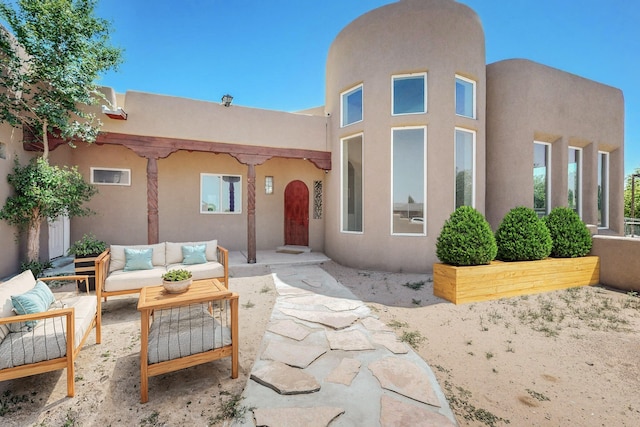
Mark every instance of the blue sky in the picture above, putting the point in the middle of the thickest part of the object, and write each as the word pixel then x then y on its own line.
pixel 271 54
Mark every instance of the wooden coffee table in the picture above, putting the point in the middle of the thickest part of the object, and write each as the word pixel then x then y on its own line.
pixel 201 291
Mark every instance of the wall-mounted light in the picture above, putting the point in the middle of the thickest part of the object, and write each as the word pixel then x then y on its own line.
pixel 117 114
pixel 226 100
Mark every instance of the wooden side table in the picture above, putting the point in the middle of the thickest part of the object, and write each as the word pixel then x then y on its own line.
pixel 154 298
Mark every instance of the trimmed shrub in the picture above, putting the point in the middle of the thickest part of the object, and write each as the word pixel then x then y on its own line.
pixel 522 236
pixel 466 239
pixel 570 236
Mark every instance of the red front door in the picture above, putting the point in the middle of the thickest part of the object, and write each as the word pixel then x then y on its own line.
pixel 296 214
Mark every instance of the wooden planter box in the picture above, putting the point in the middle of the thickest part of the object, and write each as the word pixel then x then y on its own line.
pixel 87 265
pixel 507 279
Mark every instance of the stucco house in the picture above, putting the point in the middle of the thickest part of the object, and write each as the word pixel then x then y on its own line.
pixel 415 123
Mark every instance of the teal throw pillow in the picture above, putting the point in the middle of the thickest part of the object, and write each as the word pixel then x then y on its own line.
pixel 194 254
pixel 36 300
pixel 138 259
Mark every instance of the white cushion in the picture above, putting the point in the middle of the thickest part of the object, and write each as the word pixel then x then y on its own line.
pixel 174 250
pixel 118 258
pixel 208 270
pixel 17 285
pixel 121 280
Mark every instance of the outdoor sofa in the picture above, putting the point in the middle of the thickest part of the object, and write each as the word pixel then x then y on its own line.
pixel 47 335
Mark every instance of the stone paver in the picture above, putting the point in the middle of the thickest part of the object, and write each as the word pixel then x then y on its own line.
pixel 285 379
pixel 390 341
pixel 319 416
pixel 289 328
pixel 296 355
pixel 345 372
pixel 334 304
pixel 394 413
pixel 351 340
pixel 334 320
pixel 405 378
pixel 375 325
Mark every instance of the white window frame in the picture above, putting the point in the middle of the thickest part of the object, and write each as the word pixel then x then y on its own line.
pixel 342 178
pixel 344 95
pixel 579 171
pixel 548 147
pixel 474 84
pixel 455 162
pixel 404 76
pixel 126 171
pixel 221 175
pixel 424 193
pixel 605 185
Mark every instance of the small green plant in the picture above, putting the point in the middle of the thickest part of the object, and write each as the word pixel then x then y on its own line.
pixel 413 338
pixel 248 304
pixel 466 239
pixel 395 324
pixel 538 396
pixel 151 420
pixel 416 286
pixel 569 235
pixel 88 245
pixel 177 275
pixel 36 267
pixel 488 355
pixel 522 236
pixel 231 409
pixel 416 301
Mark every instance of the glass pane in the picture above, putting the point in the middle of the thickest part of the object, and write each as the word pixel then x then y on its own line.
pixel 231 192
pixel 464 168
pixel 352 184
pixel 220 194
pixel 352 106
pixel 573 180
pixel 540 178
pixel 603 189
pixel 464 98
pixel 408 181
pixel 408 95
pixel 210 193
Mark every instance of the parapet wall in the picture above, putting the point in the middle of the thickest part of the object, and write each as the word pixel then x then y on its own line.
pixel 619 261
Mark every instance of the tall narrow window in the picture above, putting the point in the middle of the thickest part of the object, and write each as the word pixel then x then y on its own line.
pixel 465 97
pixel 351 106
pixel 465 161
pixel 603 189
pixel 408 148
pixel 351 177
pixel 220 194
pixel 574 179
pixel 409 93
pixel 541 177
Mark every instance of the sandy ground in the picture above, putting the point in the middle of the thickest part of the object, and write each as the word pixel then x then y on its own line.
pixel 557 359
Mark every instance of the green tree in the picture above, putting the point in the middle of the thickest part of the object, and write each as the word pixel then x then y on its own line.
pixel 50 66
pixel 627 195
pixel 43 191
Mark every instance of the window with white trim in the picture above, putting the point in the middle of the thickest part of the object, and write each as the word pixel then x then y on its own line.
pixel 541 177
pixel 408 180
pixel 574 180
pixel 409 94
pixel 110 176
pixel 603 189
pixel 220 194
pixel 352 184
pixel 465 155
pixel 351 106
pixel 465 97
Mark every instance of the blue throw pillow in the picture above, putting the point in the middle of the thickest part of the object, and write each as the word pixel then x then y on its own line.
pixel 138 259
pixel 36 300
pixel 194 254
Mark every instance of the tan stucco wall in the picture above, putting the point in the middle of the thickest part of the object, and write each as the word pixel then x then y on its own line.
pixel 619 266
pixel 527 101
pixel 442 38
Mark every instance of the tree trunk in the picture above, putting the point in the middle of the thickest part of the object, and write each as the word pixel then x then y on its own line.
pixel 45 146
pixel 33 238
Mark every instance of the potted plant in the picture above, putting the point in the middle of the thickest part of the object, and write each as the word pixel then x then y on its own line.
pixel 176 281
pixel 85 252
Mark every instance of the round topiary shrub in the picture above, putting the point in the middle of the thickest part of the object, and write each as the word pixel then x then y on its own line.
pixel 466 239
pixel 522 236
pixel 570 236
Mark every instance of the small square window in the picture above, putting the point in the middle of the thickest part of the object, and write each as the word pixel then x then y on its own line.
pixel 109 176
pixel 351 105
pixel 268 185
pixel 409 94
pixel 465 97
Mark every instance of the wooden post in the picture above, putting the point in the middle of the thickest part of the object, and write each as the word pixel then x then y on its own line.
pixel 251 214
pixel 153 224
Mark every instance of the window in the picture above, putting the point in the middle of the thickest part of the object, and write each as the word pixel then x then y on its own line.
pixel 351 184
pixel 409 93
pixel 220 193
pixel 108 176
pixel 408 148
pixel 351 106
pixel 465 162
pixel 541 177
pixel 574 170
pixel 268 185
pixel 465 97
pixel 603 189
pixel 3 150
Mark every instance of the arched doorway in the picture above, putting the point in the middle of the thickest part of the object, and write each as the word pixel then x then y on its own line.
pixel 296 214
